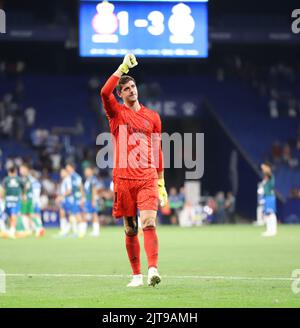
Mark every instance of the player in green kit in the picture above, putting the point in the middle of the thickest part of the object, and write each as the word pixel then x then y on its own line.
pixel 29 217
pixel 13 190
pixel 269 201
pixel 27 208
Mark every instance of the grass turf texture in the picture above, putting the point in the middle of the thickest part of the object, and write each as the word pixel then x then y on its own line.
pixel 204 253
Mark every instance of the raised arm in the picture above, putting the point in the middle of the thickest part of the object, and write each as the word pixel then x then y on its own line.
pixel 110 102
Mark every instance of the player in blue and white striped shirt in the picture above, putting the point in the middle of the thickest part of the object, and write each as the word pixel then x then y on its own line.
pixel 65 201
pixel 36 200
pixel 76 215
pixel 91 186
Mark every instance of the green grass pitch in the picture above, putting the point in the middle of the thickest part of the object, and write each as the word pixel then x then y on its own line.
pixel 210 266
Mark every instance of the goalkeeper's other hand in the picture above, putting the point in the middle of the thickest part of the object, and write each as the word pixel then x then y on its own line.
pixel 129 61
pixel 162 193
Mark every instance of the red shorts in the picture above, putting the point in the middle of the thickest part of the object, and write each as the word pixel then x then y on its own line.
pixel 130 195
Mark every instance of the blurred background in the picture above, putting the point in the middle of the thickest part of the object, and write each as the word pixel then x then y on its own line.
pixel 242 90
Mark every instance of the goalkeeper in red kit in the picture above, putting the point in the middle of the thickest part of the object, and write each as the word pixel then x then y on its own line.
pixel 138 181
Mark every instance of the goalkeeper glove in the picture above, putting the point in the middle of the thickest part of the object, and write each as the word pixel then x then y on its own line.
pixel 129 61
pixel 162 193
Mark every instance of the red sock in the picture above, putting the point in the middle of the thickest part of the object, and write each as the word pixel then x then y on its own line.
pixel 151 246
pixel 133 252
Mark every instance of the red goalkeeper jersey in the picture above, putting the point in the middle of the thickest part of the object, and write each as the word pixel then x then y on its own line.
pixel 136 137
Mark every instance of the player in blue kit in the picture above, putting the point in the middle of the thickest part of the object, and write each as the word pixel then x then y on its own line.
pixel 79 225
pixel 36 200
pixel 65 201
pixel 91 186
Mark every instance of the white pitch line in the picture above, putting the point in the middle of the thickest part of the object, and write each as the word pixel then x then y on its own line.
pixel 82 275
pixel 230 278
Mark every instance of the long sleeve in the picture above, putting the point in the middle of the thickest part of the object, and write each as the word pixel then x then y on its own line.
pixel 109 101
pixel 157 130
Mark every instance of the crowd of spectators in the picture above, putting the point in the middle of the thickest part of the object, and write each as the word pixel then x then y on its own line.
pixel 15 118
pixel 50 188
pixel 276 85
pixel 286 153
pixel 47 148
pixel 218 209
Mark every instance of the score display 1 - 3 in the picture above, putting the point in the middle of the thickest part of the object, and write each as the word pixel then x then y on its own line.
pixel 150 29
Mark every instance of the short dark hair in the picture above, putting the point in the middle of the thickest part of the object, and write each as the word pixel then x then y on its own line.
pixel 12 169
pixel 123 80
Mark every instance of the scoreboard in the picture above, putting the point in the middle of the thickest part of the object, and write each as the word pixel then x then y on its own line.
pixel 147 28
